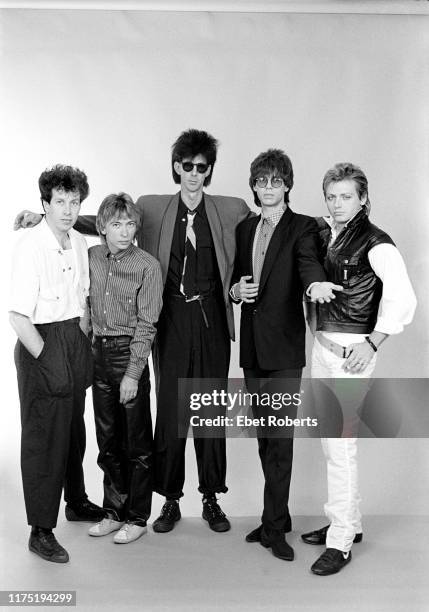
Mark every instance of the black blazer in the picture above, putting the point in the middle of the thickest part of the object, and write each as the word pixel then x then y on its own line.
pixel 272 329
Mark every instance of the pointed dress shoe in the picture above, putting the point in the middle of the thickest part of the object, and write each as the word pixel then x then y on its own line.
pixel 44 544
pixel 318 536
pixel 213 514
pixel 255 535
pixel 279 547
pixel 85 511
pixel 170 515
pixel 330 562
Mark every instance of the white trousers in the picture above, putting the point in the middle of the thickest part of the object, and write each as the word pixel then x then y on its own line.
pixel 342 507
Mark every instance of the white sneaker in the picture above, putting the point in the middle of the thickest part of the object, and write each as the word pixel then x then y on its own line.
pixel 128 533
pixel 104 527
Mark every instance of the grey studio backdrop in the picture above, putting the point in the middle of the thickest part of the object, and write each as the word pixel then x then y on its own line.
pixel 109 91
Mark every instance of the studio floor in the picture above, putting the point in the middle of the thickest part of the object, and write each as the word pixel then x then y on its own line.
pixel 193 568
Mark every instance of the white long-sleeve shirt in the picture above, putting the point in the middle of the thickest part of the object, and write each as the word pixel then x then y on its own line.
pixel 398 300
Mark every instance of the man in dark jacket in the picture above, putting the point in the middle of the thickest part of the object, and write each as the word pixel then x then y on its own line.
pixel 277 260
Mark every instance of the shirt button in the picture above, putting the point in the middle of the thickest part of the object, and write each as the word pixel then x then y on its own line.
pixel 107 293
pixel 64 269
pixel 110 274
pixel 104 311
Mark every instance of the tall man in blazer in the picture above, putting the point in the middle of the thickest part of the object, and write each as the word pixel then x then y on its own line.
pixel 276 261
pixel 196 321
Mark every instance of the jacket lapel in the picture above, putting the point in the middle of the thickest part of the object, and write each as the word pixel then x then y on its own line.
pixel 277 240
pixel 166 235
pixel 250 238
pixel 217 235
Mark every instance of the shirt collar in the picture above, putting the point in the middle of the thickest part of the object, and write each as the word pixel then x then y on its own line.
pixel 335 230
pixel 274 218
pixel 120 254
pixel 49 238
pixel 198 210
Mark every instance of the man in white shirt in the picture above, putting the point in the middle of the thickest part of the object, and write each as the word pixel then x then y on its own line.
pixel 49 286
pixel 377 300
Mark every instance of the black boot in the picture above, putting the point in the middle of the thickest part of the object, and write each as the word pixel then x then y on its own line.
pixel 84 510
pixel 213 514
pixel 170 514
pixel 43 543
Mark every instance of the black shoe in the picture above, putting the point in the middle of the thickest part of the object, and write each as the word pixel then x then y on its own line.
pixel 279 547
pixel 170 514
pixel 255 535
pixel 86 511
pixel 43 543
pixel 330 562
pixel 319 536
pixel 213 514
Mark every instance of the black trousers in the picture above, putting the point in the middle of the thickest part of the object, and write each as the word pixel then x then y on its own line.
pixel 190 343
pixel 52 396
pixel 124 433
pixel 275 449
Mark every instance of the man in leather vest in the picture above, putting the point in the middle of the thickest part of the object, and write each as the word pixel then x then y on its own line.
pixel 377 300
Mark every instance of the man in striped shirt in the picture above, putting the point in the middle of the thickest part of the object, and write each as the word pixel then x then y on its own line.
pixel 125 302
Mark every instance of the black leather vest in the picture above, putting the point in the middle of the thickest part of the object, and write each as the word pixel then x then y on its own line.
pixel 355 309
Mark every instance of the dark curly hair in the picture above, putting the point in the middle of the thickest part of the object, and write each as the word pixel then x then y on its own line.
pixel 63 177
pixel 273 162
pixel 190 144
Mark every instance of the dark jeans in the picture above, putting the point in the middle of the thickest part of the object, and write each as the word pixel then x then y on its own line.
pixel 275 449
pixel 52 396
pixel 124 433
pixel 185 347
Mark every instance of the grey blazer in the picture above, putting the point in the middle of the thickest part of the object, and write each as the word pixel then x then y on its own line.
pixel 224 213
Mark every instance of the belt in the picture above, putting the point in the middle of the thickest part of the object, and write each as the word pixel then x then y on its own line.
pixel 111 341
pixel 338 349
pixel 195 298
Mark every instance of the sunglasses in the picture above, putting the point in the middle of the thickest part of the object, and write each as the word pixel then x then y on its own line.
pixel 189 166
pixel 262 181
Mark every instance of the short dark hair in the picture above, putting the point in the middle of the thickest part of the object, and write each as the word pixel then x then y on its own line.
pixel 190 144
pixel 346 171
pixel 63 177
pixel 115 206
pixel 273 162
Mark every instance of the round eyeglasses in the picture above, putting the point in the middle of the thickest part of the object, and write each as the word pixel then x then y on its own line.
pixel 275 181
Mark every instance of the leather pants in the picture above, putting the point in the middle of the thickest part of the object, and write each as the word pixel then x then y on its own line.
pixel 124 433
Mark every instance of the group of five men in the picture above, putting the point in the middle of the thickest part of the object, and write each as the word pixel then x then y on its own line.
pixel 196 255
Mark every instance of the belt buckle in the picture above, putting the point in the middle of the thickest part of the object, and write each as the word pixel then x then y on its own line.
pixel 193 298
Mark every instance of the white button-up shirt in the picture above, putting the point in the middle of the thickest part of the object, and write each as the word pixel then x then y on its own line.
pixel 49 283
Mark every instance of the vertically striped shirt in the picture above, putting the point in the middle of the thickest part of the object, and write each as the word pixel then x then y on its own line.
pixel 125 299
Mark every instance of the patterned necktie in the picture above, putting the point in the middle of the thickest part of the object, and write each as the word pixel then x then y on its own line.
pixel 189 275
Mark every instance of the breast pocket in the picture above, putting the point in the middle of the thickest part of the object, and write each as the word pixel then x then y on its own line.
pixel 349 266
pixel 127 310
